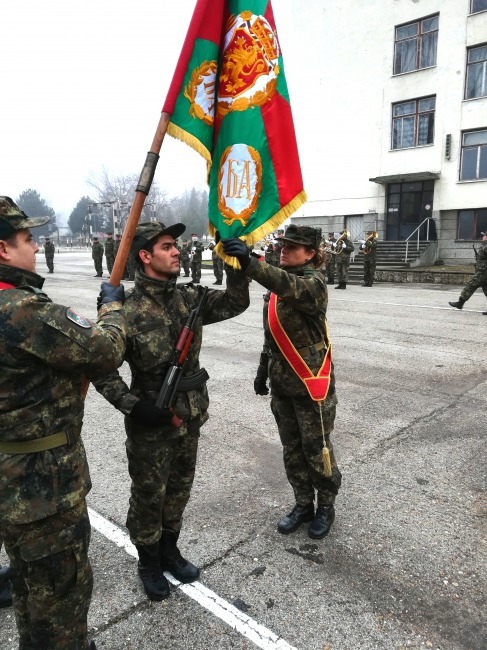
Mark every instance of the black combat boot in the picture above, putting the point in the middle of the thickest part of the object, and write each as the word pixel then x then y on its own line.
pixel 484 313
pixel 339 285
pixel 331 281
pixel 174 562
pixel 459 304
pixel 155 584
pixel 5 587
pixel 299 515
pixel 92 646
pixel 321 524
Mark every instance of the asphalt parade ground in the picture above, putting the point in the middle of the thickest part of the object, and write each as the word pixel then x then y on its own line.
pixel 405 563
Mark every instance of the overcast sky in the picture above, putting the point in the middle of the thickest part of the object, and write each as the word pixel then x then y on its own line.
pixel 83 83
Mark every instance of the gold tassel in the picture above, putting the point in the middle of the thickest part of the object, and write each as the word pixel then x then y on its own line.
pixel 326 463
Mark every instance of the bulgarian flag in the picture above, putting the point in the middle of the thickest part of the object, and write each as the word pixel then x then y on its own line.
pixel 229 101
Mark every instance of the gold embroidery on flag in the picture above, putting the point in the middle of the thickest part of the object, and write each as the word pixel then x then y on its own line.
pixel 239 183
pixel 200 91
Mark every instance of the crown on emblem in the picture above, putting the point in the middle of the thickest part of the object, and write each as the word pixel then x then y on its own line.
pixel 266 38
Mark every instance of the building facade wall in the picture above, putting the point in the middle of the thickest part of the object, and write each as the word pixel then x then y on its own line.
pixel 352 90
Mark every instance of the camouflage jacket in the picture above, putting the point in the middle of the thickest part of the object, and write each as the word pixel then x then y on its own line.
pixel 197 249
pixel 370 249
pixel 45 349
pixel 481 257
pixel 97 250
pixel 155 312
pixel 302 304
pixel 49 249
pixel 184 253
pixel 110 247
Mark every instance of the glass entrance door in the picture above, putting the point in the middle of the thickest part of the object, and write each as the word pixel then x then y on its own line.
pixel 408 204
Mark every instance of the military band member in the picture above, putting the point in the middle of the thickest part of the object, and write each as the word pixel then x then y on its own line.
pixel 294 319
pixel 45 351
pixel 331 261
pixel 184 258
pixel 342 259
pixel 161 457
pixel 369 249
pixel 49 250
pixel 479 278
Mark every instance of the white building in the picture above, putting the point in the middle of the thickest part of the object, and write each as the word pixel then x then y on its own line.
pixel 399 89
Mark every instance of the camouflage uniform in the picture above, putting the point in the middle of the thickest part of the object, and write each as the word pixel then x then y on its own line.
pixel 217 264
pixel 116 245
pixel 49 250
pixel 110 252
pixel 162 460
pixel 342 261
pixel 370 256
pixel 184 259
pixel 45 350
pixel 302 309
pixel 97 255
pixel 197 249
pixel 479 279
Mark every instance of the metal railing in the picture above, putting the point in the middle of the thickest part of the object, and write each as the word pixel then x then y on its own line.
pixel 417 231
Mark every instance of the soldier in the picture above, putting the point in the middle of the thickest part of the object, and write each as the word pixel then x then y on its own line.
pixel 162 458
pixel 49 250
pixel 331 263
pixel 294 320
pixel 45 350
pixel 184 258
pixel 116 244
pixel 197 249
pixel 97 255
pixel 342 259
pixel 269 253
pixel 369 249
pixel 110 251
pixel 479 278
pixel 217 264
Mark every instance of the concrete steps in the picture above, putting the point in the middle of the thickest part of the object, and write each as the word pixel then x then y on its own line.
pixel 390 255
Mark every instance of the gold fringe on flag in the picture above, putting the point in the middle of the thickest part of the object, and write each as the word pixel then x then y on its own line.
pixel 265 229
pixel 182 135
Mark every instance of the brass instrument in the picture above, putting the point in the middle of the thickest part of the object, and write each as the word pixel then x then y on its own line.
pixel 367 249
pixel 340 241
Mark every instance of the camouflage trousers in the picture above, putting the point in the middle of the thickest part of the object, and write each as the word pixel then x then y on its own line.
pixel 369 270
pixel 218 269
pixel 196 271
pixel 162 478
pixel 50 263
pixel 185 265
pixel 479 279
pixel 299 424
pixel 330 268
pixel 110 260
pixel 342 266
pixel 52 579
pixel 98 262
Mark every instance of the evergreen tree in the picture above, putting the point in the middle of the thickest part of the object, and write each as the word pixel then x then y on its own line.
pixel 31 202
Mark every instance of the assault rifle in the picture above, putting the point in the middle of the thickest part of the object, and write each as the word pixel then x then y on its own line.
pixel 475 251
pixel 174 379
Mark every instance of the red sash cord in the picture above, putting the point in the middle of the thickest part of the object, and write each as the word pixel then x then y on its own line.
pixel 6 285
pixel 317 385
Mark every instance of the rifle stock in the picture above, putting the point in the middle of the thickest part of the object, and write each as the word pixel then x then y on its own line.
pixel 167 394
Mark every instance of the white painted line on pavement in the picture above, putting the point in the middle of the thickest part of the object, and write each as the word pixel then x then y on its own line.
pixel 240 622
pixel 404 304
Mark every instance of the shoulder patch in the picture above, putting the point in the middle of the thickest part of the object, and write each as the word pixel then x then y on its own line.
pixel 77 318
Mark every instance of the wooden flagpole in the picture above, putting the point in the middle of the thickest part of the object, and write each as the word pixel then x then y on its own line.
pixel 142 190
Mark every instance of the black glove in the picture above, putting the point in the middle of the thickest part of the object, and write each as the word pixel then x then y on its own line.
pixel 146 413
pixel 260 381
pixel 109 293
pixel 235 247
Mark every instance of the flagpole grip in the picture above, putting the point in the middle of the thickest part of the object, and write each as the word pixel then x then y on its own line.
pixel 143 188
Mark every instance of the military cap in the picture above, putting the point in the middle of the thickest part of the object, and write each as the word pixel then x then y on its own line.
pixel 95 238
pixel 46 238
pixel 304 235
pixel 12 218
pixel 109 233
pixel 152 229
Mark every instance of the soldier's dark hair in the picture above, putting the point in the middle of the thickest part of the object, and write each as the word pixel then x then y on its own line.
pixel 149 247
pixel 319 257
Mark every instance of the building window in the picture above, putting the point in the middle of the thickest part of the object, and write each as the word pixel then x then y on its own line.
pixel 478 5
pixel 415 45
pixel 476 85
pixel 474 156
pixel 471 223
pixel 413 123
